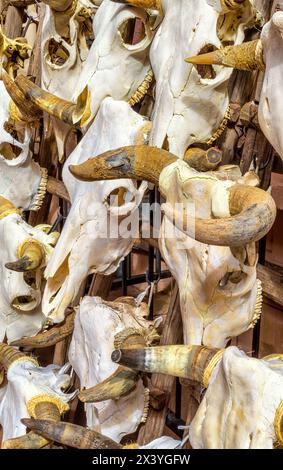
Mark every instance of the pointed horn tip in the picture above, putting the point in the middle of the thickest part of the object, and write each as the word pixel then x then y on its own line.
pixel 27 422
pixel 116 356
pixel 21 265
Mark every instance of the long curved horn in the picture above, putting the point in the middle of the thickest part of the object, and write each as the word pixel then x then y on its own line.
pixel 49 338
pixel 247 56
pixel 70 435
pixel 253 210
pixel 253 213
pixel 64 110
pixel 138 162
pixel 31 256
pixel 124 380
pixel 28 110
pixel 190 362
pixel 45 410
pixel 148 4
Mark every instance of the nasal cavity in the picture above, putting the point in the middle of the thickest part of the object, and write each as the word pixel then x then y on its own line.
pixel 132 31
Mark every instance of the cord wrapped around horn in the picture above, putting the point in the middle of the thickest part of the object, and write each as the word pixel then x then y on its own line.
pixel 70 435
pixel 253 211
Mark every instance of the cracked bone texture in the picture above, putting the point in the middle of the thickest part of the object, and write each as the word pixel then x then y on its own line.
pixel 96 325
pixel 239 406
pixel 20 303
pixel 214 308
pixel 269 112
pixel 84 232
pixel 19 175
pixel 26 380
pixel 188 109
pixel 113 67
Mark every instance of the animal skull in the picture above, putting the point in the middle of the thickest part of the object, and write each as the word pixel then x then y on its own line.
pixel 243 405
pixel 28 386
pixel 190 103
pixel 85 230
pixel 213 258
pixel 24 251
pixel 98 326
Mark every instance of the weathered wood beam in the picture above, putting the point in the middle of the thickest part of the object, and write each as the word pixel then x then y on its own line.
pixel 272 284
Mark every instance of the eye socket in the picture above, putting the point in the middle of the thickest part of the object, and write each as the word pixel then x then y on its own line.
pixel 57 52
pixel 132 31
pixel 9 151
pixel 206 71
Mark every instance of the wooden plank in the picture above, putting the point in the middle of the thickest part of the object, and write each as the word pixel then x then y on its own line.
pixel 272 284
pixel 172 334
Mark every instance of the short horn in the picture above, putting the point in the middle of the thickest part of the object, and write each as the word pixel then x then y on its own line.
pixel 253 213
pixel 247 56
pixel 122 382
pixel 191 362
pixel 42 410
pixel 49 338
pixel 31 256
pixel 139 162
pixel 203 160
pixel 66 111
pixel 8 355
pixel 70 435
pixel 147 4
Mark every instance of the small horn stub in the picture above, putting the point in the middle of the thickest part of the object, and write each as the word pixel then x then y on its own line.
pixel 203 160
pixel 31 256
pixel 190 362
pixel 247 56
pixel 70 435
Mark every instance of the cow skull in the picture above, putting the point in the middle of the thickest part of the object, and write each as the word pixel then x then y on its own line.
pixel 243 405
pixel 24 251
pixel 30 390
pixel 117 402
pixel 85 230
pixel 211 253
pixel 191 104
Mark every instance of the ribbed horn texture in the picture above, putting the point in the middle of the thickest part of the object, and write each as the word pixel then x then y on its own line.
pixel 51 337
pixel 247 56
pixel 70 435
pixel 8 355
pixel 31 255
pixel 66 111
pixel 28 110
pixel 189 362
pixel 139 162
pixel 253 213
pixel 44 410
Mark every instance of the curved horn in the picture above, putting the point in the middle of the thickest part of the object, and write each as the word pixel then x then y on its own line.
pixel 27 109
pixel 70 435
pixel 7 208
pixel 278 424
pixel 42 410
pixel 138 162
pixel 253 213
pixel 247 56
pixel 253 210
pixel 148 4
pixel 190 362
pixel 123 380
pixel 8 355
pixel 64 110
pixel 49 338
pixel 31 256
pixel 203 160
pixel 231 5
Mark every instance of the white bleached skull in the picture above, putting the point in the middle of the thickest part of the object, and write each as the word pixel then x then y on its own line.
pixel 239 408
pixel 26 380
pixel 220 295
pixel 116 66
pixel 85 230
pixel 20 292
pixel 97 325
pixel 190 103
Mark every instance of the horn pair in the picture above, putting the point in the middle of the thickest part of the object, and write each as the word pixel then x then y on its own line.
pixel 41 407
pixel 253 210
